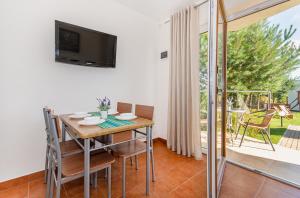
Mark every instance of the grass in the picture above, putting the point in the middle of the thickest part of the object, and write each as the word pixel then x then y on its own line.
pixel 276 130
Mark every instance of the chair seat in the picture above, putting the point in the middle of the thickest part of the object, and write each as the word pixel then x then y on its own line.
pixel 73 165
pixel 254 125
pixel 70 147
pixel 129 149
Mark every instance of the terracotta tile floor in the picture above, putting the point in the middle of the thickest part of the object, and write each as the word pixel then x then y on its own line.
pixel 177 176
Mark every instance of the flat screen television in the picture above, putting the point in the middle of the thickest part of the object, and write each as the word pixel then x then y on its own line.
pixel 82 46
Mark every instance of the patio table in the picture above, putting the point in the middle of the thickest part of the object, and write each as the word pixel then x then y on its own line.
pixel 239 113
pixel 87 133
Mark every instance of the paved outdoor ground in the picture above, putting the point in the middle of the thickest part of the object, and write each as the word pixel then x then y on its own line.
pixel 284 162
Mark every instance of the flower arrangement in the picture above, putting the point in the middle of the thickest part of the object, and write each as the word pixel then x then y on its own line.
pixel 103 104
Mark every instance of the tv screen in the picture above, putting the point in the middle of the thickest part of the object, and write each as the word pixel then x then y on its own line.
pixel 82 46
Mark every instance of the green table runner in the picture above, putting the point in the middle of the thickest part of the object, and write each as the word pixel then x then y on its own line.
pixel 111 121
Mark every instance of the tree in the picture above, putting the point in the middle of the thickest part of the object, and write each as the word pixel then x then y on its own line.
pixel 260 57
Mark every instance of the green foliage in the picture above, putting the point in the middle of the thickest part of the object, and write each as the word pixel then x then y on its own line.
pixel 203 54
pixel 203 75
pixel 259 57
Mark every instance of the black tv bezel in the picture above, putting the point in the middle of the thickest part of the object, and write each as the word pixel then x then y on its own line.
pixel 57 57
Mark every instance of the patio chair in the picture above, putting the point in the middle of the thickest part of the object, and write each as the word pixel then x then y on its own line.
pixel 263 127
pixel 282 114
pixel 288 113
pixel 68 168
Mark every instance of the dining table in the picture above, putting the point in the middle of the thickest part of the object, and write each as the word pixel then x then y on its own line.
pixel 89 133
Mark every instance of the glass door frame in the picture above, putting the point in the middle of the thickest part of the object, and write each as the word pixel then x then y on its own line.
pixel 215 171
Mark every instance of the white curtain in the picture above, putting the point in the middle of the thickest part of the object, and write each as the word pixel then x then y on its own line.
pixel 184 100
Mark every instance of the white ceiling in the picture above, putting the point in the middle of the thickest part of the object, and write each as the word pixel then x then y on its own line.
pixel 161 10
pixel 158 10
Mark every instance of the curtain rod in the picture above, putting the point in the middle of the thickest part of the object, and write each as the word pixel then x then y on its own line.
pixel 197 4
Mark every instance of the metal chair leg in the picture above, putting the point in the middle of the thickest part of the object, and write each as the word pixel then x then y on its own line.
pixel 238 131
pixel 262 134
pixel 131 161
pixel 47 164
pixel 51 185
pixel 105 174
pixel 48 181
pixel 152 163
pixel 109 181
pixel 95 179
pixel 269 140
pixel 92 179
pixel 136 163
pixel 243 136
pixel 124 177
pixel 58 187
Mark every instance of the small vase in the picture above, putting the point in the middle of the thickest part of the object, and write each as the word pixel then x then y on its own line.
pixel 104 115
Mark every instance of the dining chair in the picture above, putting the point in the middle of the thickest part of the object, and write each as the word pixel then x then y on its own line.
pixel 71 167
pixel 118 137
pixel 123 107
pixel 126 135
pixel 135 147
pixel 262 127
pixel 68 147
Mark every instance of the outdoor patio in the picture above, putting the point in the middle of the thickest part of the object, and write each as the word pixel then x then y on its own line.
pixel 283 163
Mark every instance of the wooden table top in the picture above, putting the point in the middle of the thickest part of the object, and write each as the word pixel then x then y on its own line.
pixel 95 131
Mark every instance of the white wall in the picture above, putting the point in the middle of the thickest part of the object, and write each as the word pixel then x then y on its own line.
pixel 162 82
pixel 31 79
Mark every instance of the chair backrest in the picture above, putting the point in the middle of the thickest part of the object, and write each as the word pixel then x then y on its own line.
pixel 55 152
pixel 57 125
pixel 144 111
pixel 47 110
pixel 268 117
pixel 124 107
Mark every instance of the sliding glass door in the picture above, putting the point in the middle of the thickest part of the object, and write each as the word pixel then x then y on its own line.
pixel 216 118
pixel 221 94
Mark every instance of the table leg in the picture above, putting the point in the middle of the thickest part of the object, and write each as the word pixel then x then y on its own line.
pixel 86 168
pixel 238 118
pixel 63 132
pixel 237 121
pixel 229 125
pixel 148 140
